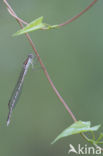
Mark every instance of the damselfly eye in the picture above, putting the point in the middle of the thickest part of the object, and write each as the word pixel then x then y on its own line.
pixel 31 55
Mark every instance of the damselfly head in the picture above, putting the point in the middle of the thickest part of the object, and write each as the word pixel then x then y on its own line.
pixel 31 56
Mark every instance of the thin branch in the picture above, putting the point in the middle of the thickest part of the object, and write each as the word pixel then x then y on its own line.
pixel 41 63
pixel 16 17
pixel 78 15
pixel 59 25
pixel 11 11
pixel 21 22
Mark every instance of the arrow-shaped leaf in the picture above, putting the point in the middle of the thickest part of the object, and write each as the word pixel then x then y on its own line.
pixel 77 127
pixel 34 25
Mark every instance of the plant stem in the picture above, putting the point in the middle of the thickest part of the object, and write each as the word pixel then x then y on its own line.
pixel 21 22
pixel 41 63
pixel 11 11
pixel 78 15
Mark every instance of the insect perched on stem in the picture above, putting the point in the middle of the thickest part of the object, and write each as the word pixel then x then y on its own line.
pixel 18 87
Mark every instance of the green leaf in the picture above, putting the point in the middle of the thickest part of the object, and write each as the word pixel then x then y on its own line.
pixel 100 137
pixel 34 25
pixel 77 127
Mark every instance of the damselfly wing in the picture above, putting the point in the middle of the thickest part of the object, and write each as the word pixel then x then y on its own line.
pixel 17 90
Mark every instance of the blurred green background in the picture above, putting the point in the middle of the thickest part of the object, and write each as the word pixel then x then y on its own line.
pixel 73 56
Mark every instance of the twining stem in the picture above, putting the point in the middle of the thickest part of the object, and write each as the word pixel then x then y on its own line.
pixel 78 15
pixel 11 11
pixel 41 63
pixel 21 22
pixel 59 25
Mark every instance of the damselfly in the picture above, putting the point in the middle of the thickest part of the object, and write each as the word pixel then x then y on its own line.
pixel 18 87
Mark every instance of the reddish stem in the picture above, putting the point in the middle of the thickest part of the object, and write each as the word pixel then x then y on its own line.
pixel 77 16
pixel 11 11
pixel 20 21
pixel 41 63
